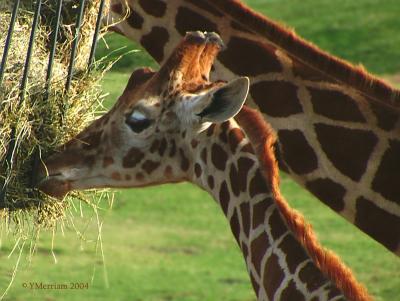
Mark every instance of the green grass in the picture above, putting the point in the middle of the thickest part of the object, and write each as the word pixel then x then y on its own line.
pixel 362 31
pixel 172 242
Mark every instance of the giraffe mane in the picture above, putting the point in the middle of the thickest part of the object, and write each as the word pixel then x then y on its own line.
pixel 263 139
pixel 370 86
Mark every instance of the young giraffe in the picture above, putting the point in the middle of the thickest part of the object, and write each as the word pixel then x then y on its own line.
pixel 175 125
pixel 338 127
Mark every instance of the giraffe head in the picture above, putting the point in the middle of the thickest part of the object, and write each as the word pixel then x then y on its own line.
pixel 146 138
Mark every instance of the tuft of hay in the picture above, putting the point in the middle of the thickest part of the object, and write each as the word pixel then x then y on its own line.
pixel 43 124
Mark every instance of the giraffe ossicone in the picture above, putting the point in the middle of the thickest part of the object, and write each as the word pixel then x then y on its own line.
pixel 175 125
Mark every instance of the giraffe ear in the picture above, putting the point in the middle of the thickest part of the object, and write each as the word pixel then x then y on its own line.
pixel 226 101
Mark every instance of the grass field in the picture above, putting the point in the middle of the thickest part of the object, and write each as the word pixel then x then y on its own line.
pixel 172 242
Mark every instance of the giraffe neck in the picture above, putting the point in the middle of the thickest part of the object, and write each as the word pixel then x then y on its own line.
pixel 278 264
pixel 336 126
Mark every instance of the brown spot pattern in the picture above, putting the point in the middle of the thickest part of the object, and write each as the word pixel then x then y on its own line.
pixel 328 191
pixel 386 118
pixel 291 293
pixel 234 138
pixel 386 181
pixel 258 248
pixel 197 170
pixel 235 226
pixel 218 156
pixel 294 146
pixel 132 158
pixel 194 143
pixel 150 166
pixel 210 130
pixel 278 226
pixel 245 249
pixel 168 171
pixel 163 147
pixel 260 58
pixel 184 160
pixel 379 224
pixel 244 166
pixel 155 8
pixel 135 20
pixel 295 253
pixel 257 184
pixel 189 20
pixel 116 176
pixel 247 148
pixel 155 41
pixel 312 277
pixel 210 181
pixel 154 146
pixel 172 150
pixel 245 212
pixel 254 283
pixel 234 180
pixel 348 150
pixel 335 105
pixel 273 276
pixel 224 197
pixel 259 211
pixel 276 98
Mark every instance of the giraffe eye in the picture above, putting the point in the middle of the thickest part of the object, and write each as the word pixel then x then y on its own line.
pixel 138 121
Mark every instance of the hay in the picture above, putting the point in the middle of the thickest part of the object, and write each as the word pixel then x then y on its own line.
pixel 42 125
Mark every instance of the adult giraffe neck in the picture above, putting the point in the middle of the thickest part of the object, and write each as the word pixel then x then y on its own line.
pixel 338 131
pixel 280 266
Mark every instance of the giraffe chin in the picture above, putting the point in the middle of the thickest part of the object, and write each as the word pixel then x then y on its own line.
pixel 55 188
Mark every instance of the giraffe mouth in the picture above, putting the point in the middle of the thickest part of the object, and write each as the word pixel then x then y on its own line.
pixel 55 186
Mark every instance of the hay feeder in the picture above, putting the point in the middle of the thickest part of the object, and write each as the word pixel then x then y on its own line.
pixel 49 91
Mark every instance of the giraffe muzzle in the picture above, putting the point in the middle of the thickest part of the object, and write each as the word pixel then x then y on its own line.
pixel 56 176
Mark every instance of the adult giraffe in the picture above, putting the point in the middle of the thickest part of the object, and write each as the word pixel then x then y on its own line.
pixel 176 125
pixel 338 127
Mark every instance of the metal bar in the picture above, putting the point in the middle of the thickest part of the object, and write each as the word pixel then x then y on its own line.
pixel 8 40
pixel 36 155
pixel 96 34
pixel 12 145
pixel 75 44
pixel 53 47
pixel 30 49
